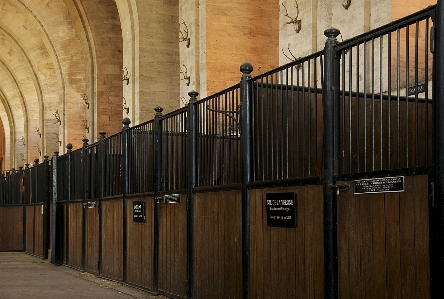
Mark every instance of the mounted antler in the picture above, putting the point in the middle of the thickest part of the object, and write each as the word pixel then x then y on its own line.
pixel 295 21
pixel 57 117
pixel 58 139
pixel 125 75
pixel 184 35
pixel 292 58
pixel 186 77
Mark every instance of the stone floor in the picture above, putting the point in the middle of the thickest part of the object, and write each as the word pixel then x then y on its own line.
pixel 25 276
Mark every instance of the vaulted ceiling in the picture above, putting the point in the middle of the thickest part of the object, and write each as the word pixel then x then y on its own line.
pixel 60 74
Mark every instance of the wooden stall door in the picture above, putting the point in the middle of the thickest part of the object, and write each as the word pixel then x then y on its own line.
pixel 92 237
pixel 288 262
pixel 383 245
pixel 173 248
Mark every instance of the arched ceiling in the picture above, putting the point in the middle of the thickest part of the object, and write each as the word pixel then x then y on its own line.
pixel 56 55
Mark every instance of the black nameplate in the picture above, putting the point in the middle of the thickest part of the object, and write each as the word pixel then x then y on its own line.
pixel 138 211
pixel 380 185
pixel 281 209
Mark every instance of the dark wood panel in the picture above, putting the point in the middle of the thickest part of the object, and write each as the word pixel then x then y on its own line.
pixel 173 248
pixel 288 262
pixel 11 228
pixel 140 246
pixel 61 233
pixel 218 245
pixel 112 239
pixel 29 243
pixel 75 235
pixel 383 243
pixel 39 232
pixel 92 239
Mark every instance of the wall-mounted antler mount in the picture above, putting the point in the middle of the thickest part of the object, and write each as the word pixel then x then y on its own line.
pixel 294 20
pixel 57 117
pixel 85 100
pixel 184 35
pixel 346 3
pixel 125 75
pixel 125 107
pixel 185 75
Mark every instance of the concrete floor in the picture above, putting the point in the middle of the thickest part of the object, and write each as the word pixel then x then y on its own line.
pixel 25 276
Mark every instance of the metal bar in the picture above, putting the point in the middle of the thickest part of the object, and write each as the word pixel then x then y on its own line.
pixel 437 207
pixel 381 129
pixel 407 137
pixel 84 198
pixel 246 148
pixel 416 95
pixel 389 102
pixel 125 190
pixel 157 188
pixel 331 145
pixel 54 208
pixel 102 157
pixel 192 183
pixel 398 91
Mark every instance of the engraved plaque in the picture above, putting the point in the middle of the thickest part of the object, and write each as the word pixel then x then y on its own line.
pixel 380 185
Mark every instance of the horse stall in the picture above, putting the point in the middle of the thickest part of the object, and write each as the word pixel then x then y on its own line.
pixel 319 179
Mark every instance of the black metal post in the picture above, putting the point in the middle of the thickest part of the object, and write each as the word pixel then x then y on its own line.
pixel 330 102
pixel 35 199
pixel 102 157
pixel 25 187
pixel 85 195
pixel 54 208
pixel 125 190
pixel 192 183
pixel 46 205
pixel 247 169
pixel 157 189
pixel 69 151
pixel 437 207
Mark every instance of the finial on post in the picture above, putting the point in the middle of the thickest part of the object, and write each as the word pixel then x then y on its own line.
pixel 331 33
pixel 126 122
pixel 158 111
pixel 69 147
pixel 102 135
pixel 246 68
pixel 193 95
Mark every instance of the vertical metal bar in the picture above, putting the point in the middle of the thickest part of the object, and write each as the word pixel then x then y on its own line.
pixel 70 177
pixel 192 183
pixel 389 100
pixel 381 74
pixel 102 157
pixel 407 133
pixel 350 110
pixel 372 110
pixel 125 190
pixel 398 91
pixel 84 198
pixel 157 189
pixel 309 116
pixel 416 95
pixel 331 145
pixel 54 208
pixel 44 180
pixel 246 147
pixel 437 209
pixel 365 106
pixel 358 124
pixel 426 103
